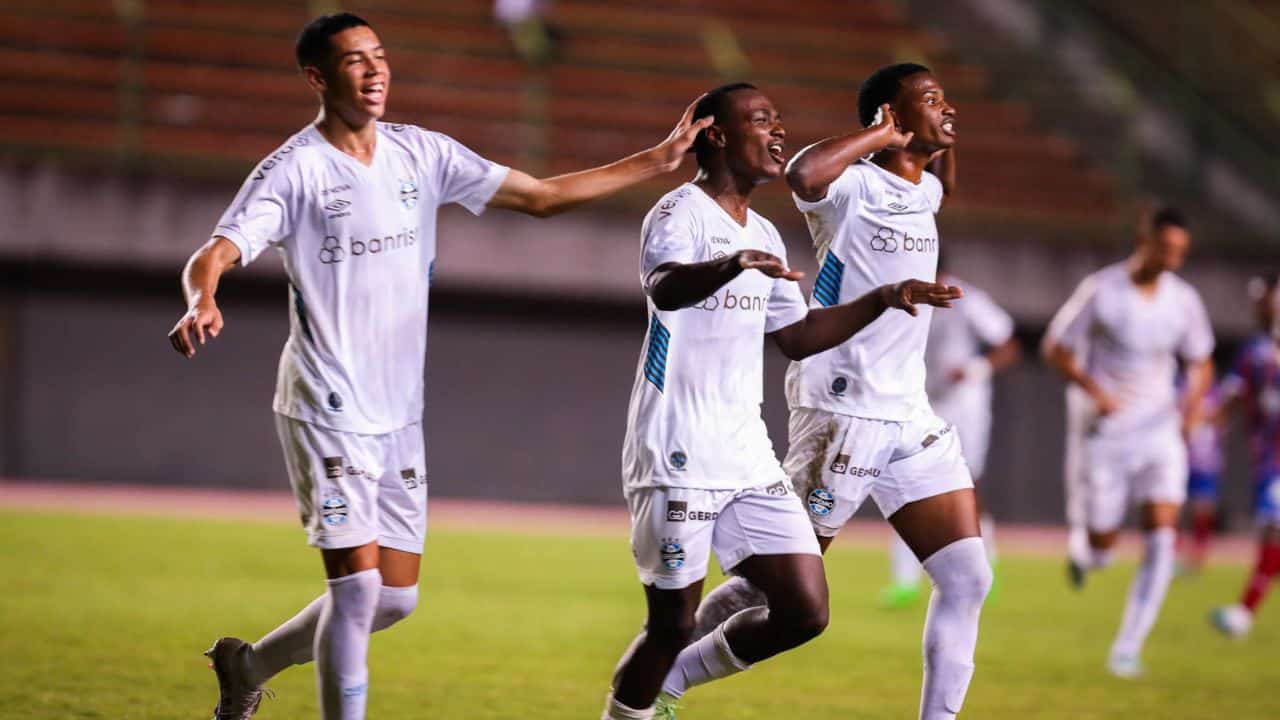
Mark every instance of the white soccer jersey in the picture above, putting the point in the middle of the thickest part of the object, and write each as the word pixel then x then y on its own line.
pixel 694 419
pixel 1129 343
pixel 359 243
pixel 956 337
pixel 872 228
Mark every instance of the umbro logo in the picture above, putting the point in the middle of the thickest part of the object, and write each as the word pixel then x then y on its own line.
pixel 338 205
pixel 898 207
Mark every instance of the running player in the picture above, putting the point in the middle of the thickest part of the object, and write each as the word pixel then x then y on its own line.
pixel 351 205
pixel 860 419
pixel 1120 337
pixel 1253 386
pixel 699 470
pixel 966 348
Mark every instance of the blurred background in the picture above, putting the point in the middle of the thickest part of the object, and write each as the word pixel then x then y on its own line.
pixel 126 127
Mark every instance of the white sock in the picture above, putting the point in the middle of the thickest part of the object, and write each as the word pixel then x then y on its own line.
pixel 293 643
pixel 987 525
pixel 706 659
pixel 1078 545
pixel 1147 592
pixel 727 599
pixel 342 645
pixel 961 579
pixel 1087 556
pixel 614 710
pixel 904 568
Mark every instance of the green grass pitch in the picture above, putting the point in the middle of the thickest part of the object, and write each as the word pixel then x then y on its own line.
pixel 105 617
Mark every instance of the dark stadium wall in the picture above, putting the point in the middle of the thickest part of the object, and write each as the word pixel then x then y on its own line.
pixel 525 401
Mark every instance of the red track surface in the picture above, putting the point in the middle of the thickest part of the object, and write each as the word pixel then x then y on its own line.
pixel 478 515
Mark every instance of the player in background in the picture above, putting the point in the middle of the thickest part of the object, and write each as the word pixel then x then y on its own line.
pixel 698 467
pixel 860 418
pixel 351 205
pixel 966 348
pixel 1252 388
pixel 1120 337
pixel 1205 460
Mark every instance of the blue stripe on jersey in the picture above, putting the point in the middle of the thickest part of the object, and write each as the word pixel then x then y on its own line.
pixel 431 272
pixel 826 289
pixel 655 361
pixel 301 309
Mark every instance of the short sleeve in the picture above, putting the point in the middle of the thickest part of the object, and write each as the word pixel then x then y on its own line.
pixel 989 321
pixel 786 305
pixel 668 234
pixel 261 216
pixel 1197 342
pixel 463 177
pixel 1070 327
pixel 839 195
pixel 932 190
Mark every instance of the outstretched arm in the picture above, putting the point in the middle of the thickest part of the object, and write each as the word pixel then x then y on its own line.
pixel 546 197
pixel 814 168
pixel 199 284
pixel 824 328
pixel 679 285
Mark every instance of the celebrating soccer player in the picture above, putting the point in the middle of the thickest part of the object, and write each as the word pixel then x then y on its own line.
pixel 351 205
pixel 860 419
pixel 1119 338
pixel 699 470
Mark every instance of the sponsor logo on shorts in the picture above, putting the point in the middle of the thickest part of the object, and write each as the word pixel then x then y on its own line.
pixel 821 502
pixel 864 472
pixel 841 463
pixel 334 510
pixel 411 481
pixel 333 467
pixel 679 460
pixel 932 438
pixel 678 511
pixel 839 385
pixel 778 489
pixel 673 554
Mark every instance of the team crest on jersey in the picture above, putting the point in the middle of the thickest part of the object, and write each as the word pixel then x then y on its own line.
pixel 334 510
pixel 679 460
pixel 673 554
pixel 409 194
pixel 821 502
pixel 839 385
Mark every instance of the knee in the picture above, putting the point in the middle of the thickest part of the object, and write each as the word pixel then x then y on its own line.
pixel 807 620
pixel 394 605
pixel 671 635
pixel 961 572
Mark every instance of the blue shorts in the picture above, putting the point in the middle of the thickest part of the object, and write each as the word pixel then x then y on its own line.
pixel 1266 497
pixel 1202 486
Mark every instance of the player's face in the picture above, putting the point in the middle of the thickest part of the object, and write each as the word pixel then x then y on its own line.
pixel 1167 248
pixel 358 77
pixel 922 108
pixel 755 141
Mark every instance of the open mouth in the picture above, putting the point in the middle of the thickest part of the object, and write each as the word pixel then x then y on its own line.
pixel 374 93
pixel 776 151
pixel 949 127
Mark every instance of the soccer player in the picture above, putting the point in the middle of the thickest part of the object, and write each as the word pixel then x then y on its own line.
pixel 1119 337
pixel 699 470
pixel 965 349
pixel 351 204
pixel 1253 386
pixel 860 419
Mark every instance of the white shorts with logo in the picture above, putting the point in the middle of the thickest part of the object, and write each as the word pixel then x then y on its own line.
pixel 836 461
pixel 1140 468
pixel 973 421
pixel 356 489
pixel 674 530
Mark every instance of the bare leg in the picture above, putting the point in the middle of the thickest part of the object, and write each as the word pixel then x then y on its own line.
pixel 666 632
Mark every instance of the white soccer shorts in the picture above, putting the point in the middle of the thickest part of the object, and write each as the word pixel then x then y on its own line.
pixel 1138 469
pixel 973 421
pixel 674 530
pixel 836 461
pixel 356 489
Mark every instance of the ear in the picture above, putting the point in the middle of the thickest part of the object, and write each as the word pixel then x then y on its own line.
pixel 715 136
pixel 315 78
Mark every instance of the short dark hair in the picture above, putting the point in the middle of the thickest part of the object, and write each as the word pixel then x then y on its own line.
pixel 882 87
pixel 1168 216
pixel 714 103
pixel 312 48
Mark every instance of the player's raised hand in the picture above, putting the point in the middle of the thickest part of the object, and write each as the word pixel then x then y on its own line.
pixel 204 320
pixel 887 126
pixel 906 295
pixel 671 151
pixel 770 265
